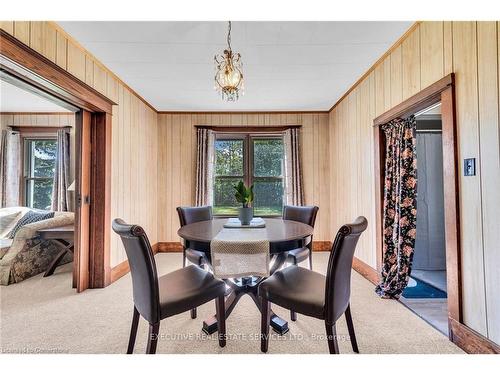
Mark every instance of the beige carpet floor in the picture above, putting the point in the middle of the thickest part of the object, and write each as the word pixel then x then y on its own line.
pixel 44 315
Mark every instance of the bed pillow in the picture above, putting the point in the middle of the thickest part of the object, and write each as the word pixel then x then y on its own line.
pixel 28 218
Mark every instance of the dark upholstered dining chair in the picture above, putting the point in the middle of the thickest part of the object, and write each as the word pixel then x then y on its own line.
pixel 157 298
pixel 311 293
pixel 189 215
pixel 306 215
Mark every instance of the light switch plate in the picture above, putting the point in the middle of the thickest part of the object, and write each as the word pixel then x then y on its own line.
pixel 470 167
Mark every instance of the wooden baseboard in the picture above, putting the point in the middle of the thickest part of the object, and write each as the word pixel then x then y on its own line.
pixel 365 270
pixel 119 270
pixel 469 340
pixel 176 247
pixel 322 245
pixel 123 268
pixel 169 247
pixel 464 337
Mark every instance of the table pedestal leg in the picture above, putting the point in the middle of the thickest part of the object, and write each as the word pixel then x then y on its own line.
pixel 278 324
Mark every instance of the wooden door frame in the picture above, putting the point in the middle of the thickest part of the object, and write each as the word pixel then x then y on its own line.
pixel 36 70
pixel 442 92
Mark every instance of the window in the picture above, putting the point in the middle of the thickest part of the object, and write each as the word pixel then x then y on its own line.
pixel 39 166
pixel 255 159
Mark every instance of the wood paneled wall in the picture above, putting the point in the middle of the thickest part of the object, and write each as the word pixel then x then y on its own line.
pixel 177 162
pixel 429 52
pixel 134 131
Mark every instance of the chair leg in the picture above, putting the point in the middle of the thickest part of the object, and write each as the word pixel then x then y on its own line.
pixel 220 311
pixel 265 323
pixel 350 328
pixel 133 331
pixel 293 314
pixel 193 313
pixel 311 258
pixel 152 338
pixel 183 257
pixel 331 334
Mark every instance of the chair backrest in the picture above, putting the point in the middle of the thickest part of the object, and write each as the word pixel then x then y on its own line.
pixel 142 268
pixel 338 278
pixel 304 214
pixel 189 215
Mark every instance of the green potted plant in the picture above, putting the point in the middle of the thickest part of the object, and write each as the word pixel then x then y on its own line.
pixel 244 195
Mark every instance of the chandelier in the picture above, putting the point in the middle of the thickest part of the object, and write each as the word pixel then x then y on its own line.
pixel 228 72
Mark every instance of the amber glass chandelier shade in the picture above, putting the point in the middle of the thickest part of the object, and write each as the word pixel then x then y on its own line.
pixel 229 72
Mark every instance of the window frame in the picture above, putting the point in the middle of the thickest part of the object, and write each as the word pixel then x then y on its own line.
pixel 25 158
pixel 248 159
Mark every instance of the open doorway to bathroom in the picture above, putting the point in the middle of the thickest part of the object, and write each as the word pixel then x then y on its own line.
pixel 426 293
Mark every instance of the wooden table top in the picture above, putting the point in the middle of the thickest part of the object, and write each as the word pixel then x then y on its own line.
pixel 277 230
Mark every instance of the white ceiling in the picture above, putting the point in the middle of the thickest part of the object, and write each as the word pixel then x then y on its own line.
pixel 15 99
pixel 287 65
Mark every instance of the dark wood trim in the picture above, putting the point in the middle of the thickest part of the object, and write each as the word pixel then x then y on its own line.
pixel 176 247
pixel 82 260
pixel 169 247
pixel 365 270
pixel 322 245
pixel 451 204
pixel 423 99
pixel 40 72
pixel 38 129
pixel 441 91
pixel 469 340
pixel 37 113
pixel 100 275
pixel 248 129
pixel 240 112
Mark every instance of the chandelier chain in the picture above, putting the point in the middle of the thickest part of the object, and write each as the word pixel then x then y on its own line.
pixel 229 35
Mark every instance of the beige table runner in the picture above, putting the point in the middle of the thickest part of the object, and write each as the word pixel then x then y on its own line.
pixel 240 252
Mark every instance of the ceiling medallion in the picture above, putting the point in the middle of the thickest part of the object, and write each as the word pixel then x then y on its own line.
pixel 229 72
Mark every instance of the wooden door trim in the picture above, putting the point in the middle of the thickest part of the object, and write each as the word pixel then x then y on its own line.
pixel 31 68
pixel 441 91
pixel 100 209
pixel 49 77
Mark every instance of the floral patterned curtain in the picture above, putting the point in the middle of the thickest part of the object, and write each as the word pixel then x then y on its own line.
pixel 400 206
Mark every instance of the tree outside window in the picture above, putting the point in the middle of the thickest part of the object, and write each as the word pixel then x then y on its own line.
pixel 256 160
pixel 39 167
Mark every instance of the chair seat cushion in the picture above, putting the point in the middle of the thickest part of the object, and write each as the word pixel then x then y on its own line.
pixel 298 289
pixel 300 254
pixel 187 288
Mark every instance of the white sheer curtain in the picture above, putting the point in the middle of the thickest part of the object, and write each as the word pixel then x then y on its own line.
pixel 60 194
pixel 10 168
pixel 294 194
pixel 205 159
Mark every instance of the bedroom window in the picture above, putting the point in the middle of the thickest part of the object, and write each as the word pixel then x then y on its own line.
pixel 40 156
pixel 255 159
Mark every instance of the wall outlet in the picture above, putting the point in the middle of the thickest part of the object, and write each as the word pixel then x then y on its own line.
pixel 470 167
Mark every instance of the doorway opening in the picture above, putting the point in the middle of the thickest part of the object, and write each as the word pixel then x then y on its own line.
pixel 438 97
pixel 426 293
pixel 92 153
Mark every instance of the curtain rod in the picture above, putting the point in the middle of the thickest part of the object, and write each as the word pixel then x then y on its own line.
pixel 247 128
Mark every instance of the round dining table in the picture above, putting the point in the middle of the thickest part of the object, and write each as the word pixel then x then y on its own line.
pixel 283 236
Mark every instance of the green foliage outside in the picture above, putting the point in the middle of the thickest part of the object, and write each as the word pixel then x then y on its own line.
pixel 268 164
pixel 42 155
